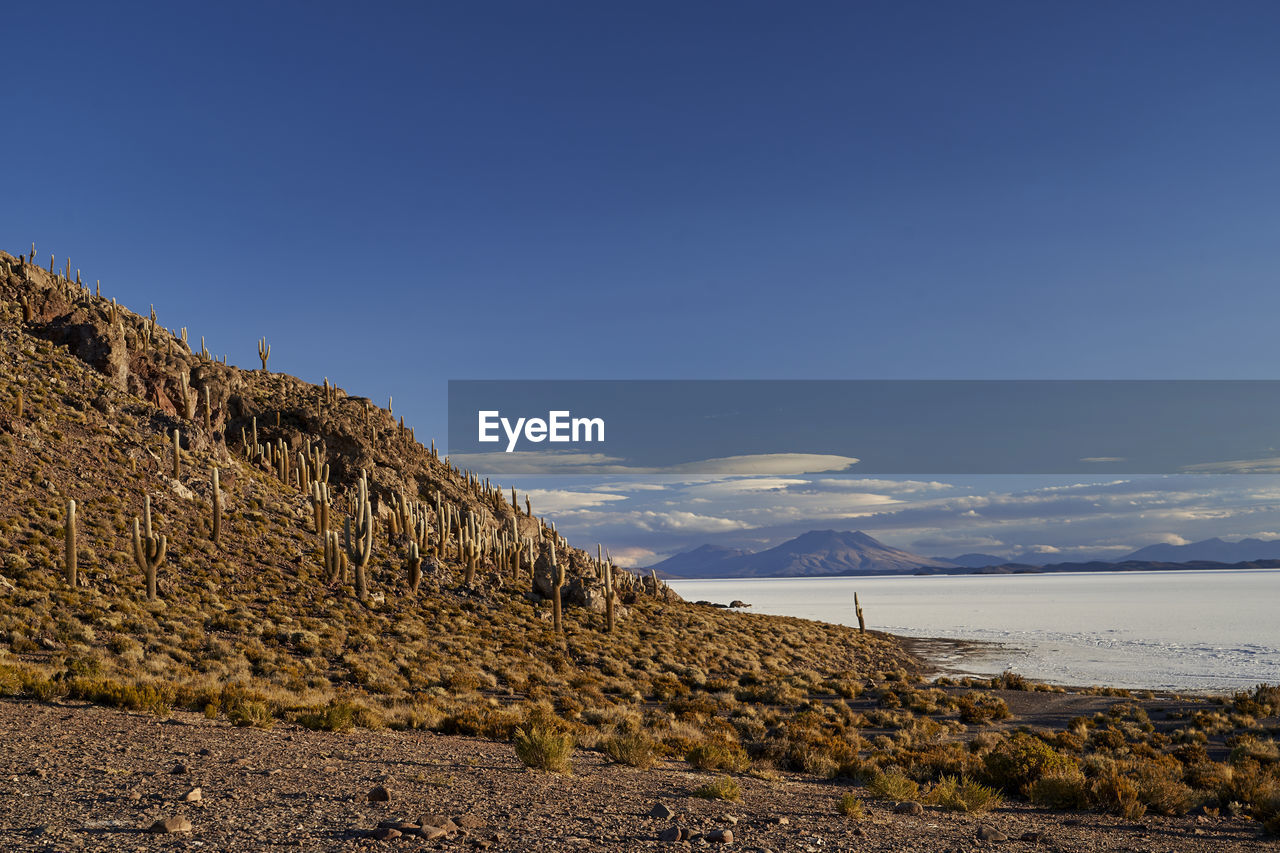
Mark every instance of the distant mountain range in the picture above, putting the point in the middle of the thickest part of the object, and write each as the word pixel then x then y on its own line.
pixel 821 553
pixel 813 554
pixel 1215 550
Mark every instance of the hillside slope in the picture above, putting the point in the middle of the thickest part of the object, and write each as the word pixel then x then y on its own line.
pixel 253 627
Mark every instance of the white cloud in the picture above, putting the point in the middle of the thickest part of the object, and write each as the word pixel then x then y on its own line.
pixel 560 500
pixel 866 485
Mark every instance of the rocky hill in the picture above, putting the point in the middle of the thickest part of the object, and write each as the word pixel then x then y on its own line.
pixel 260 624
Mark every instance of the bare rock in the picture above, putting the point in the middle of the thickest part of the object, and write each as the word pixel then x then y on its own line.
pixel 195 795
pixel 990 833
pixel 379 794
pixel 662 811
pixel 910 807
pixel 673 834
pixel 171 825
pixel 720 836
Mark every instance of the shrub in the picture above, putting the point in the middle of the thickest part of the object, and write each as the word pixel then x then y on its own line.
pixel 718 755
pixel 635 749
pixel 1160 787
pixel 851 807
pixel 544 748
pixel 963 795
pixel 1117 794
pixel 981 708
pixel 1060 789
pixel 1022 759
pixel 338 716
pixel 720 788
pixel 892 785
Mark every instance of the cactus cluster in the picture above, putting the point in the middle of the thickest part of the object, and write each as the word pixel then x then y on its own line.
pixel 148 549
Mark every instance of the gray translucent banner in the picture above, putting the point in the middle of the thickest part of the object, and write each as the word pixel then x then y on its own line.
pixel 752 427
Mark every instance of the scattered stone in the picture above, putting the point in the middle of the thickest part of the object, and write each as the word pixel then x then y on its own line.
pixel 470 822
pixel 1032 837
pixel 379 794
pixel 386 833
pixel 673 833
pixel 720 836
pixel 732 820
pixel 779 821
pixel 179 769
pixel 195 795
pixel 910 807
pixel 737 602
pixel 662 812
pixel 431 833
pixel 990 833
pixel 170 825
pixel 133 795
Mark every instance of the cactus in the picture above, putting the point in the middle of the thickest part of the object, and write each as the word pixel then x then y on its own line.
pixel 335 559
pixel 469 546
pixel 264 353
pixel 188 401
pixel 857 608
pixel 528 507
pixel 217 507
pixel 25 302
pixel 208 411
pixel 557 580
pixel 17 408
pixel 320 507
pixel 70 567
pixel 360 549
pixel 414 564
pixel 115 311
pixel 97 288
pixel 177 456
pixel 608 593
pixel 148 550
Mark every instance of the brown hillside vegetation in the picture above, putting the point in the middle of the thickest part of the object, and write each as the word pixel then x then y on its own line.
pixel 452 625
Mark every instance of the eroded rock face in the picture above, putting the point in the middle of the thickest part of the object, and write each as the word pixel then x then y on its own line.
pixel 96 343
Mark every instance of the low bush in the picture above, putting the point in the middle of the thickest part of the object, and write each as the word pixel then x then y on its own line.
pixel 720 788
pixel 893 785
pixel 634 749
pixel 544 748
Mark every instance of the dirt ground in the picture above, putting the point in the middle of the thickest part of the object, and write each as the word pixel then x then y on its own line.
pixel 81 777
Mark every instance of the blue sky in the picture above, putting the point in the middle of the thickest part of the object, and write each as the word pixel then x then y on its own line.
pixel 400 194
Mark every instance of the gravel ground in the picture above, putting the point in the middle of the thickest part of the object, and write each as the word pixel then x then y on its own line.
pixel 78 777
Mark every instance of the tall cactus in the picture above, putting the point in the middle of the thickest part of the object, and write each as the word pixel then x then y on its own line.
pixel 320 507
pixel 177 456
pixel 414 564
pixel 557 581
pixel 264 353
pixel 335 559
pixel 70 569
pixel 148 550
pixel 360 549
pixel 217 508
